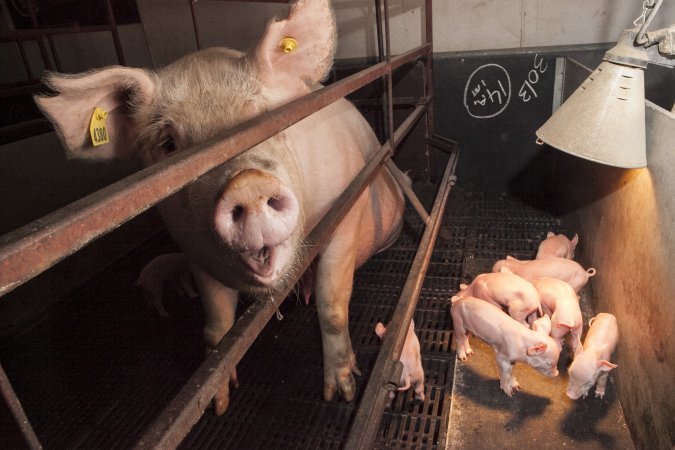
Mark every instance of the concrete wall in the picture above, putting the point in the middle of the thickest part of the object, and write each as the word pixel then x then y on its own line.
pixel 167 31
pixel 459 25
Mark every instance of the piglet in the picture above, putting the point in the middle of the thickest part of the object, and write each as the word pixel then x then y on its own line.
pixel 561 268
pixel 413 373
pixel 559 300
pixel 557 245
pixel 592 366
pixel 168 268
pixel 510 340
pixel 517 295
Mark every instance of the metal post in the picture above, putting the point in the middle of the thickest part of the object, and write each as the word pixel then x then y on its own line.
pixel 368 416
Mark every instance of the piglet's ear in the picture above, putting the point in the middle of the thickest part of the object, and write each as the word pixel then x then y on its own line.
pixel 296 53
pixel 550 234
pixel 536 349
pixel 606 366
pixel 380 330
pixel 119 91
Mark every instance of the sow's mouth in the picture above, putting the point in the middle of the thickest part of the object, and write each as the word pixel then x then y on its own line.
pixel 262 264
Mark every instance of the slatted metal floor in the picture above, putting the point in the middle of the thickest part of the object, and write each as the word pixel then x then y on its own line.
pixel 97 371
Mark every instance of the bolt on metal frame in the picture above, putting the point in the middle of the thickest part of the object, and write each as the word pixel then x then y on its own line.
pixel 32 249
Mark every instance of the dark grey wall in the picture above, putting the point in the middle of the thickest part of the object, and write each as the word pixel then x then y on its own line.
pixel 497 139
pixel 492 103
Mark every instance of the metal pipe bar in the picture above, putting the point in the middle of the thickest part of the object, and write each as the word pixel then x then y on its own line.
pixel 41 45
pixel 369 414
pixel 24 58
pixel 404 182
pixel 429 74
pixel 188 406
pixel 115 32
pixel 33 248
pixel 388 76
pixel 19 88
pixel 29 35
pixel 381 58
pixel 193 11
pixel 55 54
pixel 398 101
pixel 442 143
pixel 19 433
pixel 22 130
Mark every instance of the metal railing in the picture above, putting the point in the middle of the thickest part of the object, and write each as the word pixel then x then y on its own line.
pixel 30 250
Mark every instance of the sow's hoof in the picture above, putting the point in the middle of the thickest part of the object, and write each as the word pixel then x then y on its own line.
pixel 341 380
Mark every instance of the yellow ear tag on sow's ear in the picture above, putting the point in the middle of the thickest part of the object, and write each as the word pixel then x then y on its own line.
pixel 97 129
pixel 288 44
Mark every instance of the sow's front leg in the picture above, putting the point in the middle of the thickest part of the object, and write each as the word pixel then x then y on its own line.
pixel 220 304
pixel 334 281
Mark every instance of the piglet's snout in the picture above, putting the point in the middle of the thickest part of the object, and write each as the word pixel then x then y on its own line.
pixel 256 211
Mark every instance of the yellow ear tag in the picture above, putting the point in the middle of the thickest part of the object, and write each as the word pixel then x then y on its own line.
pixel 97 129
pixel 288 44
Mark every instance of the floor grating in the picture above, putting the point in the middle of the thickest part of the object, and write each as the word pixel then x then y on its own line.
pixel 100 368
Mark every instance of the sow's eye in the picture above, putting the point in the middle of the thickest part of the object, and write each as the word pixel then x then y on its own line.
pixel 167 144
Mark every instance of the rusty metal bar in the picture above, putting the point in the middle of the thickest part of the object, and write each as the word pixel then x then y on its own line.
pixel 368 416
pixel 16 430
pixel 33 248
pixel 404 182
pixel 401 178
pixel 188 406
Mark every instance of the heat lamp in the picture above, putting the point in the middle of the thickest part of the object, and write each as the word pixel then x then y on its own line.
pixel 604 119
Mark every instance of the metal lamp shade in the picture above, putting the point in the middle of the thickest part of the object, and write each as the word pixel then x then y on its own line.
pixel 604 119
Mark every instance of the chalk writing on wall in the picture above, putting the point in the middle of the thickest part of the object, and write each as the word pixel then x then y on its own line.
pixel 488 91
pixel 527 89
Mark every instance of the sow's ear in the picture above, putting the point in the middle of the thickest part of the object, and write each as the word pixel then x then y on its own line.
pixel 296 53
pixel 119 91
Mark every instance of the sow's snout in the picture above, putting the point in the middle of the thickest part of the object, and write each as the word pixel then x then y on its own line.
pixel 256 216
